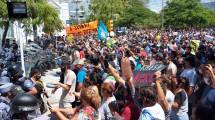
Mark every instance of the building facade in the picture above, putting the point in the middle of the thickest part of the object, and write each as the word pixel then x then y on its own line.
pixel 210 5
pixel 78 10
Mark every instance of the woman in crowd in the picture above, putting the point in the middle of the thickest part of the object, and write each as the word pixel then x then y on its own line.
pixel 124 107
pixel 165 96
pixel 90 100
pixel 107 90
pixel 152 109
pixel 204 93
pixel 180 104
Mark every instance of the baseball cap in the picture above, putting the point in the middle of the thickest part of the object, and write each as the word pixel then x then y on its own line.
pixel 111 80
pixel 79 62
pixel 28 84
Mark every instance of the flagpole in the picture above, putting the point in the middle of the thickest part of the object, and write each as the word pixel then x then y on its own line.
pixel 21 49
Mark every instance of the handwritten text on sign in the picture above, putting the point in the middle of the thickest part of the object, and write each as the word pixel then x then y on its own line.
pixel 82 27
pixel 145 74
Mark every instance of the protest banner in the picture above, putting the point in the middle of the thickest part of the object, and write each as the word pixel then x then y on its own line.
pixel 145 74
pixel 81 28
pixel 209 38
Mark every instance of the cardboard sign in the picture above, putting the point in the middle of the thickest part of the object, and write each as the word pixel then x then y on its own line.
pixel 152 68
pixel 145 74
pixel 75 29
pixel 143 78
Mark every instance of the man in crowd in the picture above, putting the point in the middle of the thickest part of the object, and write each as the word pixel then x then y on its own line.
pixel 68 86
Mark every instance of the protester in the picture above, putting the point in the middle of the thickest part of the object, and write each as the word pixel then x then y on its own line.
pixel 35 87
pixel 68 86
pixel 82 72
pixel 141 74
pixel 171 67
pixel 107 90
pixel 180 104
pixel 190 73
pixel 151 110
pixel 90 102
pixel 165 96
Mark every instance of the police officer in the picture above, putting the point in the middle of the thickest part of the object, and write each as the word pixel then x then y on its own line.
pixel 5 100
pixel 15 75
pixel 25 107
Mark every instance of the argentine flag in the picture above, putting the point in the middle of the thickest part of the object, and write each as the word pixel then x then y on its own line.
pixel 102 31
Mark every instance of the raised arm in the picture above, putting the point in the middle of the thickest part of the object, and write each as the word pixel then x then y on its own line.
pixel 210 69
pixel 161 96
pixel 114 72
pixel 132 54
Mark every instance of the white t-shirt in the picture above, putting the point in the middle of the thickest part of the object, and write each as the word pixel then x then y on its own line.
pixel 104 109
pixel 152 113
pixel 171 69
pixel 170 98
pixel 69 79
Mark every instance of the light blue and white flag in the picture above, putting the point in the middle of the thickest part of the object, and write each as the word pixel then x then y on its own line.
pixel 102 31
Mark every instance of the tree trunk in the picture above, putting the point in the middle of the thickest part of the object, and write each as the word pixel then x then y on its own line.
pixel 6 27
pixel 35 32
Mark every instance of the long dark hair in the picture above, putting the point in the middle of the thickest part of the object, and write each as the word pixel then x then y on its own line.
pixel 183 83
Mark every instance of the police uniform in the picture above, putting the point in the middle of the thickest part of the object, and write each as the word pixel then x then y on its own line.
pixel 5 102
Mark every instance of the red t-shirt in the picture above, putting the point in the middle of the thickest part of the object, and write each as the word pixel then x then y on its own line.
pixel 82 55
pixel 126 113
pixel 135 111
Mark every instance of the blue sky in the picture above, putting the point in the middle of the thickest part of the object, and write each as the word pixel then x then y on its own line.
pixel 156 5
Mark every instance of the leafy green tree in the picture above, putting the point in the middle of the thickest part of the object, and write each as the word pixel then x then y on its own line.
pixel 4 21
pixel 105 9
pixel 187 13
pixel 39 13
pixel 138 15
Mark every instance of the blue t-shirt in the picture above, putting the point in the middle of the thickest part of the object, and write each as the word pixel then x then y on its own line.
pixel 81 75
pixel 208 97
pixel 138 65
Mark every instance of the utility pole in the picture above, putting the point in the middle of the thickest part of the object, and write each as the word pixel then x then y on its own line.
pixel 162 17
pixel 112 9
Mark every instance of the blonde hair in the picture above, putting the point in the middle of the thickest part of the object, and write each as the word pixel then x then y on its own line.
pixel 91 96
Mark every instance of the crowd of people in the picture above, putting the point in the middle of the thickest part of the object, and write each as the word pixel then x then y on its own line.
pixel 97 79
